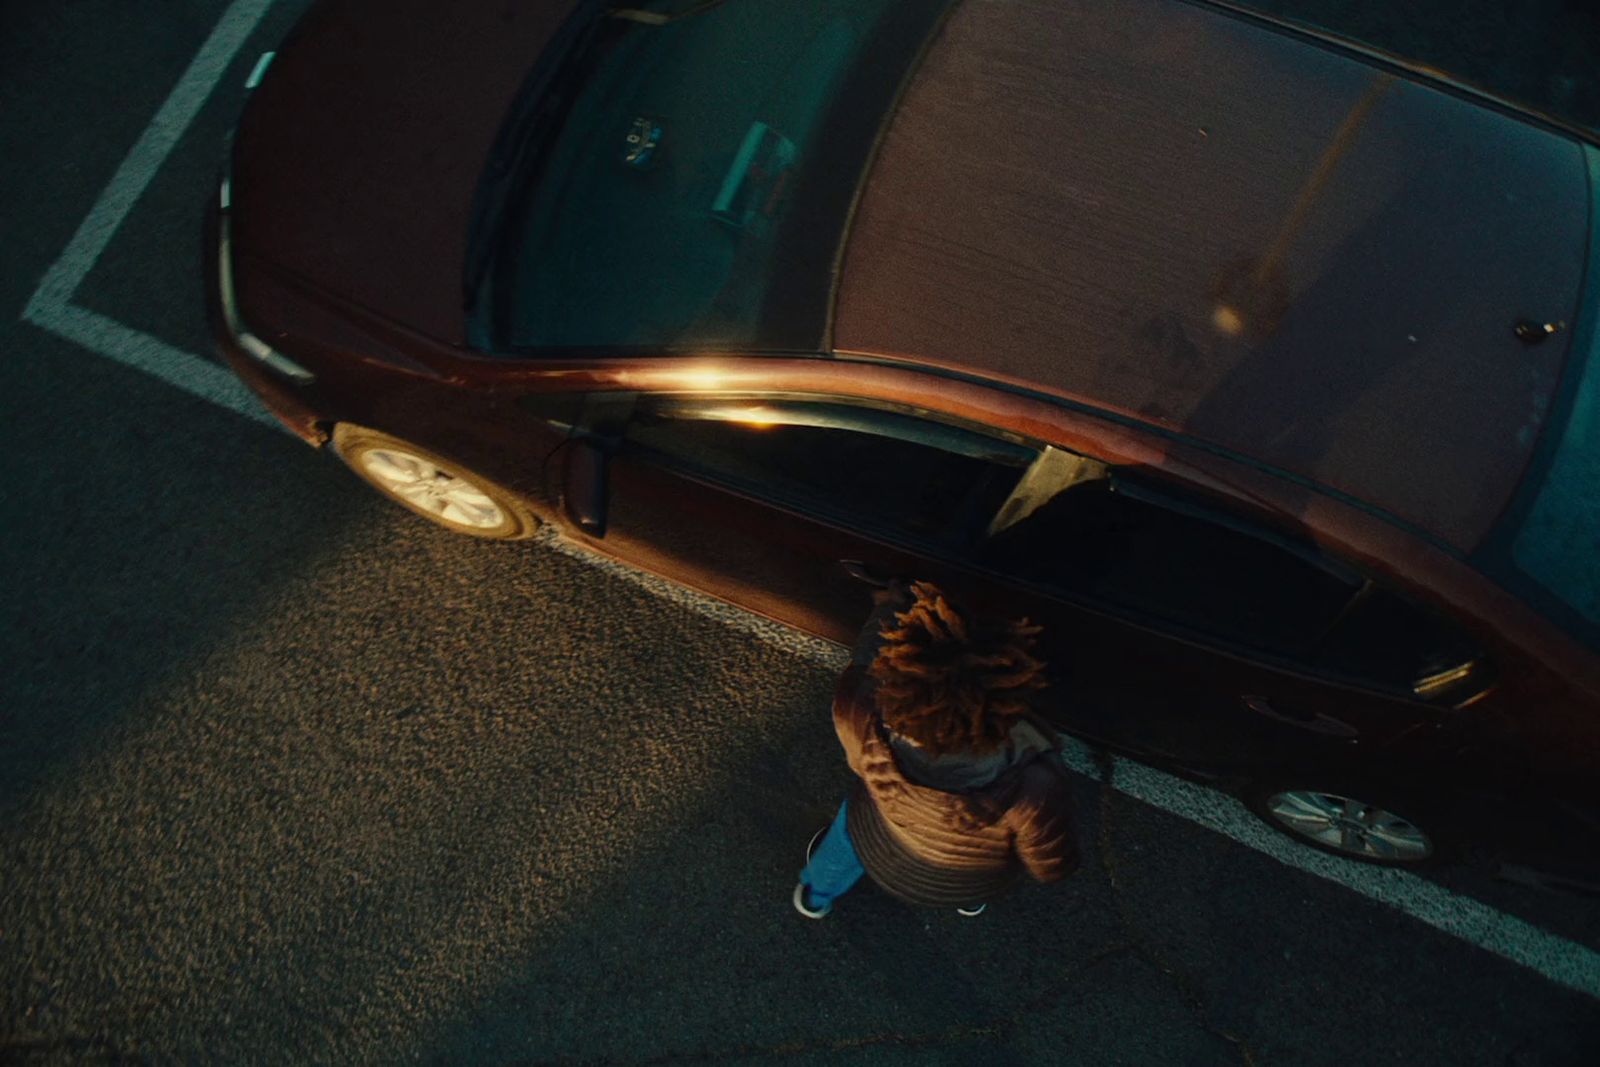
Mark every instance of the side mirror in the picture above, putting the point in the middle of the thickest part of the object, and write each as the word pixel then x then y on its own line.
pixel 584 485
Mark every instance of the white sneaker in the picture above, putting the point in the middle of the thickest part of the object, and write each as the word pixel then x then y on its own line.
pixel 805 909
pixel 816 839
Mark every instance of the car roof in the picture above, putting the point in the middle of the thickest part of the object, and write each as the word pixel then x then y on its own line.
pixel 1232 233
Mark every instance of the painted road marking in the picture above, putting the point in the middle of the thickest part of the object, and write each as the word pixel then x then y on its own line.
pixel 51 305
pixel 1565 962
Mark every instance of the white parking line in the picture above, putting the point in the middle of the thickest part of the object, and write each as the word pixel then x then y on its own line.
pixel 1560 960
pixel 51 305
pixel 137 349
pixel 1569 963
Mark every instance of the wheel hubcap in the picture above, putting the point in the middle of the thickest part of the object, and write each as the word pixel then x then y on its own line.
pixel 1352 826
pixel 424 484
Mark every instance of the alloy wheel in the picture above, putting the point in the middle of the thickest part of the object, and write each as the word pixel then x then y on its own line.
pixel 441 493
pixel 1349 825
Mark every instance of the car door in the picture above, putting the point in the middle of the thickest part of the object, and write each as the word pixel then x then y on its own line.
pixel 761 500
pixel 1169 634
pixel 1191 636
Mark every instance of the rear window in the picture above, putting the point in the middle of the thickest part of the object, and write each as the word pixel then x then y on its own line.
pixel 1558 544
pixel 1548 545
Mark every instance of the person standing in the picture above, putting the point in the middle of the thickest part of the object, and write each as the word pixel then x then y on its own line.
pixel 958 789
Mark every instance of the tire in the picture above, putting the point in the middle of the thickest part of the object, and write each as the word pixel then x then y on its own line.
pixel 1355 820
pixel 432 486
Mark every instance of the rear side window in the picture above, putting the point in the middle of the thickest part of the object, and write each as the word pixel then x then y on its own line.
pixel 1221 579
pixel 1204 576
pixel 927 482
pixel 1387 640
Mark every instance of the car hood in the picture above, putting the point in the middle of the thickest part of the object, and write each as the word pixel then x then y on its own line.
pixel 357 157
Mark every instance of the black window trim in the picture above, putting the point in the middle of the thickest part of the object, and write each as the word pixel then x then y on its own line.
pixel 808 507
pixel 1305 551
pixel 998 444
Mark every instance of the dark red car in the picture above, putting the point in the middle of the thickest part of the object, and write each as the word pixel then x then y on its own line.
pixel 1260 369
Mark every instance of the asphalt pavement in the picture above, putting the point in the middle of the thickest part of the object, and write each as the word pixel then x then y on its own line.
pixel 288 775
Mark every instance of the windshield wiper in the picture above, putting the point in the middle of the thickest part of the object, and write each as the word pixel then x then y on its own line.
pixel 656 18
pixel 538 97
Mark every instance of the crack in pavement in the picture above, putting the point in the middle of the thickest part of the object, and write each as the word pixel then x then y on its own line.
pixel 1187 988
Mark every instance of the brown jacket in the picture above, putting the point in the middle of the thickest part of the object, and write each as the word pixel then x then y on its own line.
pixel 928 846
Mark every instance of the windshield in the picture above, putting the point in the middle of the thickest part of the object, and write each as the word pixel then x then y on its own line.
pixel 1554 529
pixel 691 188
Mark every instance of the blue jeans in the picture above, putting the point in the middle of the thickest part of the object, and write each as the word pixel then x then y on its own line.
pixel 834 866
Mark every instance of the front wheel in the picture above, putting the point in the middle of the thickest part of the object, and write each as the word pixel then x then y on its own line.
pixel 432 486
pixel 1351 820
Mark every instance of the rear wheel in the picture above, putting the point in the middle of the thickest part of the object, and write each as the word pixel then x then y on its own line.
pixel 1351 820
pixel 432 486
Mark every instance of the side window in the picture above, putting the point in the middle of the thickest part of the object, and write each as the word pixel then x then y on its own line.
pixel 1210 577
pixel 876 469
pixel 1386 639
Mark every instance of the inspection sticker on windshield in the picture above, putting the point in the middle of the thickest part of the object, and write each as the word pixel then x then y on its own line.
pixel 644 136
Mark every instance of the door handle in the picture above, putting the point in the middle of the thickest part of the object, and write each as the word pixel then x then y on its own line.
pixel 1316 722
pixel 863 573
pixel 584 488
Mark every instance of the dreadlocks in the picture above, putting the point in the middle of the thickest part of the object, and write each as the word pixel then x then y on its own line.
pixel 952 683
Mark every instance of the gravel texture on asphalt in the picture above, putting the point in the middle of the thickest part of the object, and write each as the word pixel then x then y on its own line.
pixel 291 776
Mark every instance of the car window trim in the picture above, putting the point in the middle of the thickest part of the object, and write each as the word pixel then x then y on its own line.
pixel 724 408
pixel 1309 554
pixel 1176 437
pixel 809 507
